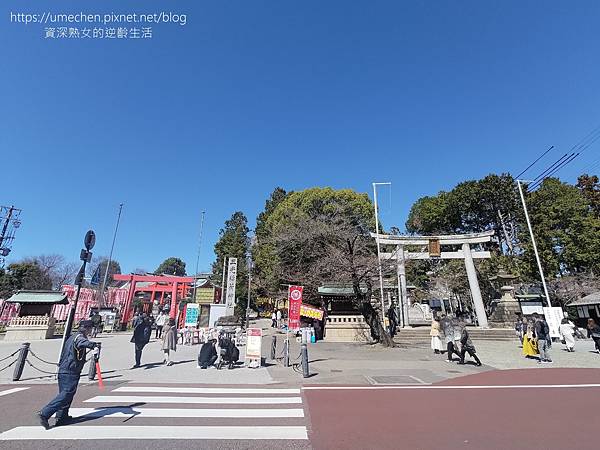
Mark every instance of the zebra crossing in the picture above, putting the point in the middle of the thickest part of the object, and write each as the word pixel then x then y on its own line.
pixel 180 412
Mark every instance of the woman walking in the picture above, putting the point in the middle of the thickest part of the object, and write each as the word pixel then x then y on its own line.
pixel 594 333
pixel 436 341
pixel 169 340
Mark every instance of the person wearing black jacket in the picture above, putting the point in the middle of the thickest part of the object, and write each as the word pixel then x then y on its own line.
pixel 393 318
pixel 542 333
pixel 208 354
pixel 594 333
pixel 467 347
pixel 72 360
pixel 141 336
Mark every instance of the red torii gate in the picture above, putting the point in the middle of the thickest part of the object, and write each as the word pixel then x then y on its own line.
pixel 171 284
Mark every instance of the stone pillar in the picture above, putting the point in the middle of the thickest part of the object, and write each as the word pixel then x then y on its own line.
pixel 474 286
pixel 402 293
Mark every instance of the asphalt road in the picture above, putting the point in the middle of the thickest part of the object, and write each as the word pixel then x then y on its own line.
pixel 528 409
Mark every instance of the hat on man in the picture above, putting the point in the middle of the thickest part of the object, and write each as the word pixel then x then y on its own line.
pixel 86 324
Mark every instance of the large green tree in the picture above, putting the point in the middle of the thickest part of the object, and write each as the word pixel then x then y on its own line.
pixel 23 275
pixel 321 235
pixel 264 255
pixel 171 266
pixel 566 229
pixel 491 203
pixel 233 243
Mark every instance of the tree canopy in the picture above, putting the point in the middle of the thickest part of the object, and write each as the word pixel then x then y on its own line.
pixel 23 275
pixel 233 243
pixel 171 266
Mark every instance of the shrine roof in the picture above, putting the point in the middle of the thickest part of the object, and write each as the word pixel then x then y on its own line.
pixel 39 297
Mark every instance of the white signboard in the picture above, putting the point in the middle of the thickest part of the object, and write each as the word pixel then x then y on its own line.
pixel 253 345
pixel 553 316
pixel 231 279
pixel 216 312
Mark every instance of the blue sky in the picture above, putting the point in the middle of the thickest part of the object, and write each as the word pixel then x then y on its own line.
pixel 248 96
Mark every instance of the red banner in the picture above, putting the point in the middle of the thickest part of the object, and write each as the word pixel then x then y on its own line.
pixel 294 302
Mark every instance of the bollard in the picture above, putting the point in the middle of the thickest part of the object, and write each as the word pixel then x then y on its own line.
pixel 286 353
pixel 273 347
pixel 304 351
pixel 21 361
pixel 95 357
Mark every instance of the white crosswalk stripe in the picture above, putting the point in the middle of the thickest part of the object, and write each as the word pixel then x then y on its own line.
pixel 197 400
pixel 168 412
pixel 155 432
pixel 262 414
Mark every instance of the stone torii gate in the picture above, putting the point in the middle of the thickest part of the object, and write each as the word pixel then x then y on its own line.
pixel 432 249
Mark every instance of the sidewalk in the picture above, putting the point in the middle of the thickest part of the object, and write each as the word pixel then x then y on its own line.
pixel 330 363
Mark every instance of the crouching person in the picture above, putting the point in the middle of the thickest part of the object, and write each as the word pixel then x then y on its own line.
pixel 208 354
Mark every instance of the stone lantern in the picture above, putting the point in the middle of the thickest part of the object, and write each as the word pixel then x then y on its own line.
pixel 507 307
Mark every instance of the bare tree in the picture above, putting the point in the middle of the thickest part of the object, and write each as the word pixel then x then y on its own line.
pixel 315 251
pixel 57 268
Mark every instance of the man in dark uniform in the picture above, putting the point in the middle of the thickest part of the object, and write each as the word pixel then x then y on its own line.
pixel 71 363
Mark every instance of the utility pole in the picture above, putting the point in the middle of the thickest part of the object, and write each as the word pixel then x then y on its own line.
pixel 198 256
pixel 535 250
pixel 112 247
pixel 379 247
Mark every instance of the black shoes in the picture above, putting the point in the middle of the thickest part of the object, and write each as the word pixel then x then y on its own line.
pixel 63 421
pixel 43 421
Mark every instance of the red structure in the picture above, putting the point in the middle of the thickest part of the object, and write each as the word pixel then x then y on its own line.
pixel 177 286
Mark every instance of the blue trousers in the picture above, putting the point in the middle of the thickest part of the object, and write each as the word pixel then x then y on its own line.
pixel 67 386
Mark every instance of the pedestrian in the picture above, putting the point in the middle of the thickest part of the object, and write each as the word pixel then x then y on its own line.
pixel 97 323
pixel 208 354
pixel 542 333
pixel 274 320
pixel 436 341
pixel 72 360
pixel 278 318
pixel 567 332
pixel 457 327
pixel 393 319
pixel 467 347
pixel 141 336
pixel 169 340
pixel 161 320
pixel 447 327
pixel 530 349
pixel 594 333
pixel 519 327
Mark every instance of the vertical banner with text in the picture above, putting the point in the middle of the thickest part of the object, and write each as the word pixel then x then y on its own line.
pixel 231 279
pixel 294 303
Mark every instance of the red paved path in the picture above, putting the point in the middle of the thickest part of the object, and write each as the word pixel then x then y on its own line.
pixel 488 419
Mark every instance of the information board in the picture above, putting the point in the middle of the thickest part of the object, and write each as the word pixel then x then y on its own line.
pixel 191 314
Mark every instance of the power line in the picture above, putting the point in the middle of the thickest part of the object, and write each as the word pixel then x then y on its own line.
pixel 552 166
pixel 533 163
pixel 560 166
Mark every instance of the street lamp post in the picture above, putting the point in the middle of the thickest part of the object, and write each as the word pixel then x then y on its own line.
pixel 112 247
pixel 535 250
pixel 378 246
pixel 198 256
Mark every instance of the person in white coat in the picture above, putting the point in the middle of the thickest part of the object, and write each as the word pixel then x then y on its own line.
pixel 567 332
